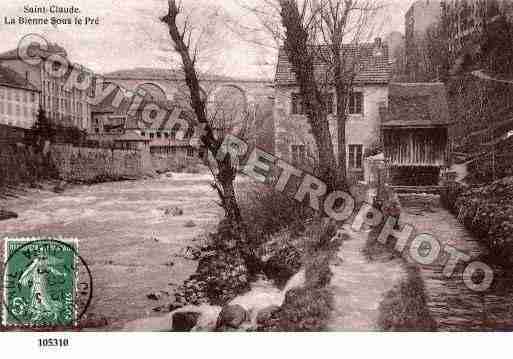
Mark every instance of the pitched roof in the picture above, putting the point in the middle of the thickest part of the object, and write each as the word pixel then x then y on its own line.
pixel 11 78
pixel 371 67
pixel 155 73
pixel 416 105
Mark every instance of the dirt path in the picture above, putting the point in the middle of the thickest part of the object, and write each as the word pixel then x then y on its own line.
pixel 129 243
pixel 359 286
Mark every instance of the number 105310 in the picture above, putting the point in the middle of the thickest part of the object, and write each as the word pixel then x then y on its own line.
pixel 53 342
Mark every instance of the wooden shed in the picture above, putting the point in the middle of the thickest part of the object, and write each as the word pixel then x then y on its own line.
pixel 415 133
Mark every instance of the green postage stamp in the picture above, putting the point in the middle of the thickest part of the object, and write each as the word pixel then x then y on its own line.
pixel 39 282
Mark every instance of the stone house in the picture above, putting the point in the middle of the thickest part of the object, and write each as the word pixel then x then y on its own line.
pixel 293 139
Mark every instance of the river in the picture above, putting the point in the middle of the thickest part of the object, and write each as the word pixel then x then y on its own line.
pixel 130 245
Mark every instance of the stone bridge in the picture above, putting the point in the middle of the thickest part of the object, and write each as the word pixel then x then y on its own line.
pixel 169 85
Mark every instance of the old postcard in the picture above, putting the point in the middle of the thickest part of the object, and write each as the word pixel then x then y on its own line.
pixel 256 166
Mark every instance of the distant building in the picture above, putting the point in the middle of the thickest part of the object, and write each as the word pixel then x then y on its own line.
pixel 294 141
pixel 68 108
pixel 396 53
pixel 19 100
pixel 113 125
pixel 466 20
pixel 421 16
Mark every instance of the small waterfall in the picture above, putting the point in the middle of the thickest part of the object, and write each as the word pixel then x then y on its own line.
pixel 263 294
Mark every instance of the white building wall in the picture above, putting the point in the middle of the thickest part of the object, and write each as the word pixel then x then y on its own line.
pixel 361 129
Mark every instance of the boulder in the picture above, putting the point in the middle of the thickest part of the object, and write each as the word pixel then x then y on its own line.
pixel 157 295
pixel 231 317
pixel 266 314
pixel 60 187
pixel 173 211
pixel 184 321
pixel 190 224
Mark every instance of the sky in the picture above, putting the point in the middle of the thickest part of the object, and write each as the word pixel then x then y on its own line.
pixel 129 34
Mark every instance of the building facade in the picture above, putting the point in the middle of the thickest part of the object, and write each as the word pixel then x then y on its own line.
pixel 65 107
pixel 294 141
pixel 419 19
pixel 19 100
pixel 466 19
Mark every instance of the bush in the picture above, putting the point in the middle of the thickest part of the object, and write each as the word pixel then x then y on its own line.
pixel 488 213
pixel 267 211
pixel 304 309
pixel 404 308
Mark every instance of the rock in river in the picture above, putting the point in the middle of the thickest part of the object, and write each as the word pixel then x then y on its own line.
pixel 184 321
pixel 231 317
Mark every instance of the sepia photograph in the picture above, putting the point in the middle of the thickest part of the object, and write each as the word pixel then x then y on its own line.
pixel 321 166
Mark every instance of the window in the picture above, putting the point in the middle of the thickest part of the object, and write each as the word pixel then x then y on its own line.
pixel 297 104
pixel 356 103
pixel 2 93
pixel 159 135
pixel 298 153
pixel 166 134
pixel 190 151
pixel 329 102
pixel 9 108
pixel 18 110
pixel 355 156
pixel 32 97
pixel 25 97
pixel 17 95
pixel 1 107
pixel 143 134
pixel 25 111
pixel 152 135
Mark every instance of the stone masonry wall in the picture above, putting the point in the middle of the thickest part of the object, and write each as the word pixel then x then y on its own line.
pixel 78 164
pixel 21 164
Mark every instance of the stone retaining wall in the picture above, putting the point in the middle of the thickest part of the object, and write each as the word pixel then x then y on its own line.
pixel 79 164
pixel 22 164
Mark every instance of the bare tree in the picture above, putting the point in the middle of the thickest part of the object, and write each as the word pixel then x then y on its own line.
pixel 330 23
pixel 310 31
pixel 187 39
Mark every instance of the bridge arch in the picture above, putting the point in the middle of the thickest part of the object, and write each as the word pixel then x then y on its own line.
pixel 156 90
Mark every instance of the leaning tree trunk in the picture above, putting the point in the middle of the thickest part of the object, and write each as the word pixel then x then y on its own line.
pixel 227 172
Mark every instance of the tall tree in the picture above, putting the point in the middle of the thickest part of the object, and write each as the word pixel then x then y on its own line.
pixel 330 23
pixel 187 42
pixel 319 30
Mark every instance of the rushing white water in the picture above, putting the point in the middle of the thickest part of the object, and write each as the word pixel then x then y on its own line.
pixel 263 294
